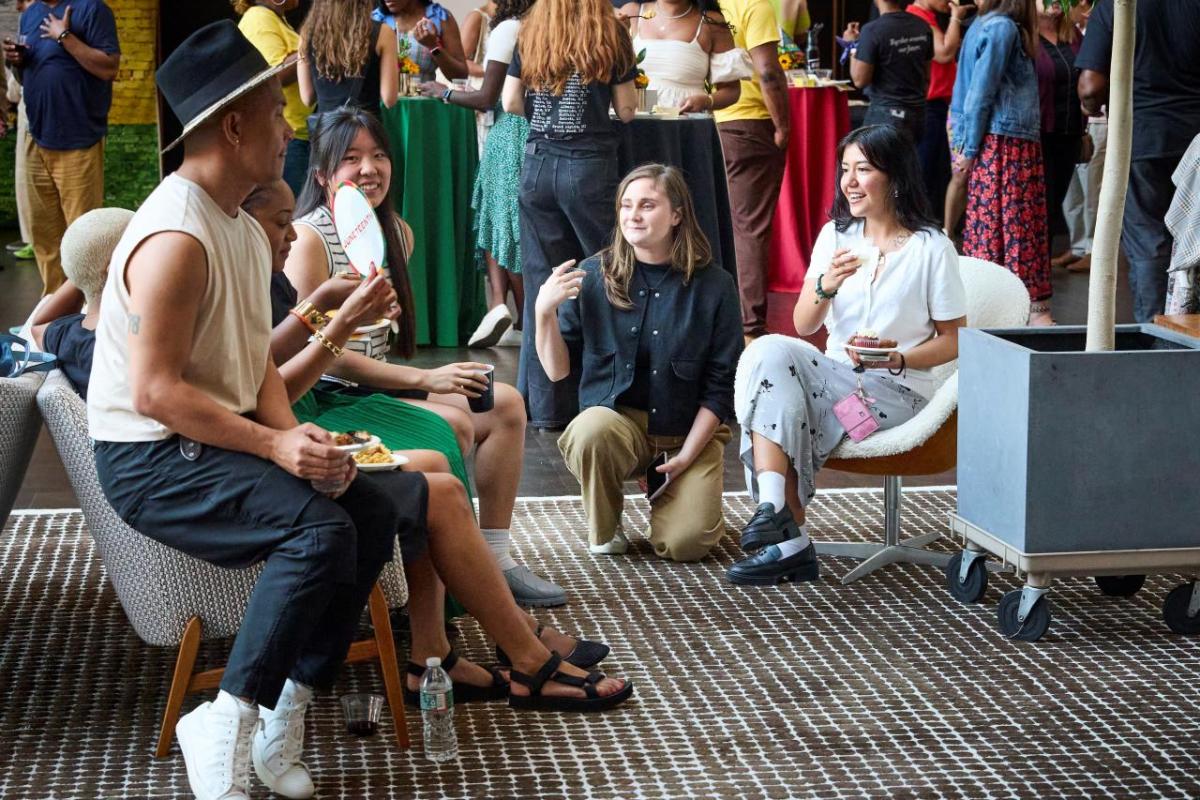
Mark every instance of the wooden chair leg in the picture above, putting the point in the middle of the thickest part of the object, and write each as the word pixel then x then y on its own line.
pixel 184 664
pixel 388 664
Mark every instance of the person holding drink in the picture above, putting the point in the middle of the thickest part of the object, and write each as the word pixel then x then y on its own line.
pixel 66 56
pixel 351 145
pixel 880 270
pixel 658 328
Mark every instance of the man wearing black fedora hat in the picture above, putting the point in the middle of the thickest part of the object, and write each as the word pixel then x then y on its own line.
pixel 197 447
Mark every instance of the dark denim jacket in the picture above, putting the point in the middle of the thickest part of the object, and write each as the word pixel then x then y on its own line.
pixel 996 90
pixel 697 335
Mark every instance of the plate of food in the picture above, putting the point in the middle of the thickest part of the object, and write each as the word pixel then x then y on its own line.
pixel 377 458
pixel 354 441
pixel 872 348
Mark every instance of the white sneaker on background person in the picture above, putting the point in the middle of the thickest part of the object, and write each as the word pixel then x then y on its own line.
pixel 511 338
pixel 279 741
pixel 215 740
pixel 493 325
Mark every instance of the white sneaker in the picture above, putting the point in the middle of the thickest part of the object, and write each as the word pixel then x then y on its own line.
pixel 616 546
pixel 491 327
pixel 279 741
pixel 511 338
pixel 215 740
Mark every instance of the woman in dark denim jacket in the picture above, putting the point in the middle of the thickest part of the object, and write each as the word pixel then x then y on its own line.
pixel 660 332
pixel 996 143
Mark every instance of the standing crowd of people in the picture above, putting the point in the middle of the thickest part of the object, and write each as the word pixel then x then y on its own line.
pixel 209 330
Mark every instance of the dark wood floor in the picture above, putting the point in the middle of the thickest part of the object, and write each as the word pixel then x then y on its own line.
pixel 46 486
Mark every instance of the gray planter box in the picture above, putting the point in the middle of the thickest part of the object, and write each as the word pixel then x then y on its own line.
pixel 1060 450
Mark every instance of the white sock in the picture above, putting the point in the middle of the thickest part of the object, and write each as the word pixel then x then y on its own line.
pixel 793 546
pixel 295 692
pixel 497 541
pixel 770 489
pixel 242 705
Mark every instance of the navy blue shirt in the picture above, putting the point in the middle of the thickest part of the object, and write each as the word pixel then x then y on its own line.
pixel 691 335
pixel 1166 72
pixel 73 344
pixel 67 105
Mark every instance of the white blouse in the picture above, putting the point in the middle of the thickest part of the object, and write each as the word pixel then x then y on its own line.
pixel 920 284
pixel 677 69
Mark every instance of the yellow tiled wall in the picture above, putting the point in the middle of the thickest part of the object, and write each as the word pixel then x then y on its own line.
pixel 134 92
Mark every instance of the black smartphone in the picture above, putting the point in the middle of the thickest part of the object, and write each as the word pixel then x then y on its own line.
pixel 656 481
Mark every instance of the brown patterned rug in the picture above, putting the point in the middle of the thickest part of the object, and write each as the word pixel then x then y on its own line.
pixel 885 688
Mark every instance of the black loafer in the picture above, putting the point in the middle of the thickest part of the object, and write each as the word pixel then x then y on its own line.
pixel 768 526
pixel 767 567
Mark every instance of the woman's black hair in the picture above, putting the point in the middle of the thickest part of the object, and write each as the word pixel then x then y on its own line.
pixel 333 135
pixel 889 150
pixel 510 9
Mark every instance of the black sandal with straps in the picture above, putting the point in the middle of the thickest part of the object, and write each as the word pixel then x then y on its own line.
pixel 583 655
pixel 463 692
pixel 536 701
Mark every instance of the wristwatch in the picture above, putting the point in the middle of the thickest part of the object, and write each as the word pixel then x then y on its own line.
pixel 311 315
pixel 446 95
pixel 62 36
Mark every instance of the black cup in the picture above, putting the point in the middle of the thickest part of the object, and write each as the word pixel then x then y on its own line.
pixel 487 399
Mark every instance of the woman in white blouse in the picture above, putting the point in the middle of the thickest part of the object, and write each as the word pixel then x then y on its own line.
pixel 688 43
pixel 881 266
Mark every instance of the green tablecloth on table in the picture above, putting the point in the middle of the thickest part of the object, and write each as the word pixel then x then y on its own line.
pixel 435 156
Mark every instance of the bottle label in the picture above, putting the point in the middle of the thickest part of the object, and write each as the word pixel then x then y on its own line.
pixel 437 702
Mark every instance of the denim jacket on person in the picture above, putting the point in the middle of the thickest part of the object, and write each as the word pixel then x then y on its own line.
pixel 996 90
pixel 696 333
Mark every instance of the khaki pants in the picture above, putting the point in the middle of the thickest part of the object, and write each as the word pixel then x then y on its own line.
pixel 603 448
pixel 63 186
pixel 24 140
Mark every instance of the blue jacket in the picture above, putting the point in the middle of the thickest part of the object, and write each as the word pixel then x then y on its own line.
pixel 996 90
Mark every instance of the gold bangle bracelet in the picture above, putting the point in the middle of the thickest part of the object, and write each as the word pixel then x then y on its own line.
pixel 328 345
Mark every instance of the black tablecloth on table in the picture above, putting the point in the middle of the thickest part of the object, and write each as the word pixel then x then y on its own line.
pixel 692 145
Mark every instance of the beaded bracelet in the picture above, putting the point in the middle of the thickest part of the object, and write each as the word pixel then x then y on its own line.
pixel 822 294
pixel 328 345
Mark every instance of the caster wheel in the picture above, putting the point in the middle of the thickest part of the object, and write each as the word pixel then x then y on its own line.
pixel 973 588
pixel 1035 624
pixel 1175 609
pixel 1120 585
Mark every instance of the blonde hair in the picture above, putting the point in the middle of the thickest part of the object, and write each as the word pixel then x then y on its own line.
pixel 690 250
pixel 337 33
pixel 240 7
pixel 87 247
pixel 560 38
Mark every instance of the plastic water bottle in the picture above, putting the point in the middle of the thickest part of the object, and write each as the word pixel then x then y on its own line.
pixel 437 712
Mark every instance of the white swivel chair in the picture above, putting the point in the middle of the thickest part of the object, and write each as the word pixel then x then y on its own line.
pixel 926 444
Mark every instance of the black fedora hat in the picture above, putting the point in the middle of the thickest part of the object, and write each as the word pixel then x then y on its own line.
pixel 213 67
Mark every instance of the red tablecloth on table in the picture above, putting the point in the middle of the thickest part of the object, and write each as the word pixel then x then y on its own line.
pixel 820 118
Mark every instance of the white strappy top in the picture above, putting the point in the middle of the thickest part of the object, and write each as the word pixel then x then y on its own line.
pixel 678 70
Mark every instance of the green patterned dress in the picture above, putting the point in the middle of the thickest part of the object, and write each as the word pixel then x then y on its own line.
pixel 495 198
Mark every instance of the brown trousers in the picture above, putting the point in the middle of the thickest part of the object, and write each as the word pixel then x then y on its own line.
pixel 754 167
pixel 63 186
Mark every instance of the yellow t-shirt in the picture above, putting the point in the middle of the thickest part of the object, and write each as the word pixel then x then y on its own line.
pixel 754 23
pixel 276 40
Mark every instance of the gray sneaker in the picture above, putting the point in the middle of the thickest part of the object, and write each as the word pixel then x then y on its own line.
pixel 533 590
